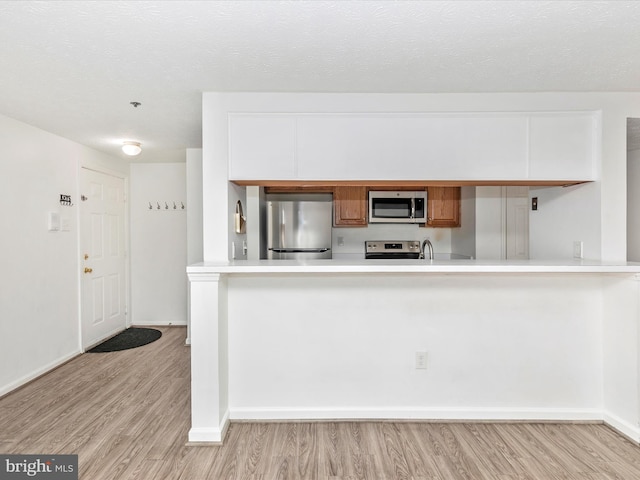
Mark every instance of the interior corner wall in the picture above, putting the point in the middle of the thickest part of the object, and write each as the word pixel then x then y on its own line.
pixel 621 348
pixel 633 206
pixel 40 281
pixel 158 244
pixel 490 223
pixel 215 175
pixel 565 215
pixel 463 238
pixel 194 205
pixel 237 240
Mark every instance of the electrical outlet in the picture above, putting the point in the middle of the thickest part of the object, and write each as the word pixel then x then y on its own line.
pixel 577 249
pixel 421 360
pixel 341 241
pixel 233 250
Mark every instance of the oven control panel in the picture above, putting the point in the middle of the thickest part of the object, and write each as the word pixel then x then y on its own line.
pixel 392 248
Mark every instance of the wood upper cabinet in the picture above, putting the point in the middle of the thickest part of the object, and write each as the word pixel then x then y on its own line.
pixel 443 206
pixel 350 206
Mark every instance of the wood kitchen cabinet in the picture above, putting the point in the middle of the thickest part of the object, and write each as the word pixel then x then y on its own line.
pixel 350 206
pixel 443 207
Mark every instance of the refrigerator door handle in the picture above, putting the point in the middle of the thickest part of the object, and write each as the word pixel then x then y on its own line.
pixel 299 250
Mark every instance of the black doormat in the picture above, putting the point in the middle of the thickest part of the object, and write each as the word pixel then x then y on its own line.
pixel 131 338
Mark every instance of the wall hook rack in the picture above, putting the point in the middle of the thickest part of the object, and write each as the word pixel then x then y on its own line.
pixel 167 205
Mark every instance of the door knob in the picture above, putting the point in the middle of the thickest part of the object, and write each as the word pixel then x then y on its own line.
pixel 88 270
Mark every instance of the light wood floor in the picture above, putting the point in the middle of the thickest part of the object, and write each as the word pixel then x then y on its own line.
pixel 126 414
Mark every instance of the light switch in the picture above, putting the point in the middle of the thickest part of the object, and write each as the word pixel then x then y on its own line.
pixel 54 221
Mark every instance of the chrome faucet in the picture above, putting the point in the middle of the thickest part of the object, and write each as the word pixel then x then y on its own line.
pixel 426 242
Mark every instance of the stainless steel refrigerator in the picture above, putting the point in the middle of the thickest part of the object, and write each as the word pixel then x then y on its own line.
pixel 299 226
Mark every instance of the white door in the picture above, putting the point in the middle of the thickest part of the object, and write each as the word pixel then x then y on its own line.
pixel 517 231
pixel 102 217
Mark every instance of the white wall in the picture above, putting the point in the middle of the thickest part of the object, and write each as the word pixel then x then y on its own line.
pixel 621 345
pixel 39 286
pixel 463 239
pixel 158 244
pixel 215 173
pixel 490 223
pixel 565 215
pixel 498 346
pixel 633 204
pixel 194 203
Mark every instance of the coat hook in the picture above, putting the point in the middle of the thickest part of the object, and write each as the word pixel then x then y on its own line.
pixel 150 206
pixel 182 205
pixel 166 207
pixel 174 205
pixel 158 205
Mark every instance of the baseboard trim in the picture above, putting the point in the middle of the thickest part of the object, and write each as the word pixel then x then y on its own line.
pixel 21 382
pixel 160 324
pixel 199 436
pixel 418 414
pixel 623 427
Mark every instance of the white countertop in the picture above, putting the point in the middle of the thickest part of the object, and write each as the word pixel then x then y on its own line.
pixel 413 266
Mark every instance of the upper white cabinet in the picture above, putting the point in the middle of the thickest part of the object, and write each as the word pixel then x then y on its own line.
pixel 410 147
pixel 562 146
pixel 420 146
pixel 262 147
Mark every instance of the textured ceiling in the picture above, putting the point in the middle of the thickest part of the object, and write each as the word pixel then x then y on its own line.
pixel 73 67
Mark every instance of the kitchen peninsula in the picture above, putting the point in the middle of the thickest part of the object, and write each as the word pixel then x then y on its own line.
pixel 550 338
pixel 337 340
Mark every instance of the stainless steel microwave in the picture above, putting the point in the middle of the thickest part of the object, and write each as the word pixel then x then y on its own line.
pixel 398 207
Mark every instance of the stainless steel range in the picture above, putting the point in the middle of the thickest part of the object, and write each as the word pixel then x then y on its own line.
pixel 392 249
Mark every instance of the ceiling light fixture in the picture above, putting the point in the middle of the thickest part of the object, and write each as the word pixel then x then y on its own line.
pixel 131 148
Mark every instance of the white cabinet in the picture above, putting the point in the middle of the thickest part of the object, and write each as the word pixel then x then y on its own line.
pixel 562 146
pixel 262 147
pixel 413 146
pixel 409 147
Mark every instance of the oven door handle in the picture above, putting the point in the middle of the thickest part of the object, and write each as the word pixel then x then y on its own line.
pixel 299 250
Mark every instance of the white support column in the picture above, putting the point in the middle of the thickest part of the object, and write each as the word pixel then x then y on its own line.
pixel 209 359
